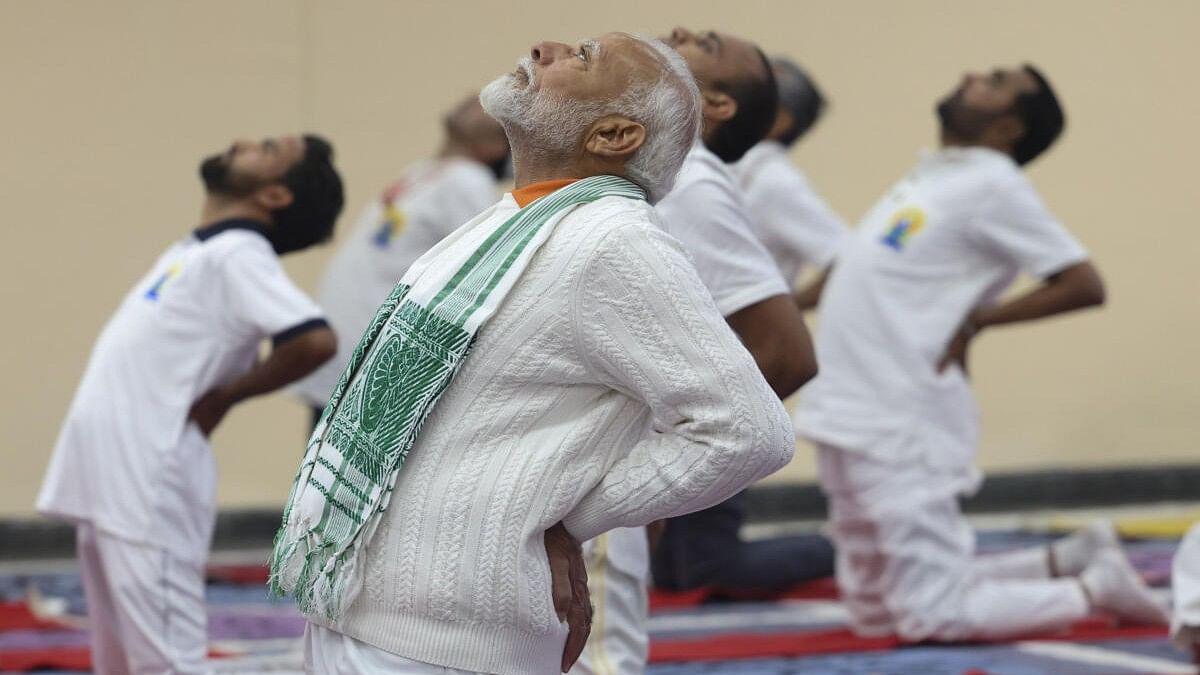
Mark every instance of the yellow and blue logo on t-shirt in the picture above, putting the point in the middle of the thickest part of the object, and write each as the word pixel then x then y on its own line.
pixel 906 223
pixel 392 226
pixel 156 290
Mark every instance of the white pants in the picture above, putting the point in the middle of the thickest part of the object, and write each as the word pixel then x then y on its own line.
pixel 906 557
pixel 1185 586
pixel 328 652
pixel 618 576
pixel 145 606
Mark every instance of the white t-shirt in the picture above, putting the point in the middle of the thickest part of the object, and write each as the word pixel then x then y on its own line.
pixel 795 225
pixel 706 214
pixel 949 237
pixel 432 200
pixel 127 453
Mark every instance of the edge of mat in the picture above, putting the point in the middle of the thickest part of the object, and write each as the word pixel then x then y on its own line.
pixel 27 538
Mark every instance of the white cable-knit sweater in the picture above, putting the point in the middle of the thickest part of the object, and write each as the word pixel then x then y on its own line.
pixel 606 392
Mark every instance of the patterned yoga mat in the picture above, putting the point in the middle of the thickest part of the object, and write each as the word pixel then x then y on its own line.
pixel 799 633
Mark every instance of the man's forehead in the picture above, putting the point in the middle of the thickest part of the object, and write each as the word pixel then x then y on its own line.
pixel 617 44
pixel 740 54
pixel 622 48
pixel 1023 79
pixel 291 145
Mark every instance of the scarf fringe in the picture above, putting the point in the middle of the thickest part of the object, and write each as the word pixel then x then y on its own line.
pixel 323 583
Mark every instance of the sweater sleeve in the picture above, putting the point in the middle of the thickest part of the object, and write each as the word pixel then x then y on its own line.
pixel 647 328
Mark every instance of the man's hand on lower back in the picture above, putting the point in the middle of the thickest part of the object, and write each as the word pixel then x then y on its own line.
pixel 568 579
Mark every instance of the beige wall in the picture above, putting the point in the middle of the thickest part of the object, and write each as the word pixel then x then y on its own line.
pixel 107 107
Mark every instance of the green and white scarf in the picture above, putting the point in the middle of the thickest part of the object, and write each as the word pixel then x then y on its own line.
pixel 414 346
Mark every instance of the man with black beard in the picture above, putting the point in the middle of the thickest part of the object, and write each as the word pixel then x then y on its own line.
pixel 133 469
pixel 892 413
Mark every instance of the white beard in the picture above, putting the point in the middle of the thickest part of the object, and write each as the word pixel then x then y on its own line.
pixel 505 99
pixel 543 121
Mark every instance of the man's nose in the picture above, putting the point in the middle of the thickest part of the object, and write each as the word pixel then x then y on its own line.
pixel 239 144
pixel 545 53
pixel 680 35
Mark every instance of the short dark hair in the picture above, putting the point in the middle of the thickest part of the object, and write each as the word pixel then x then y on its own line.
pixel 1043 118
pixel 798 95
pixel 758 100
pixel 317 199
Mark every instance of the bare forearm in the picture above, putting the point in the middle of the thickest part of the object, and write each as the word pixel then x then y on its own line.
pixel 1076 287
pixel 774 333
pixel 287 363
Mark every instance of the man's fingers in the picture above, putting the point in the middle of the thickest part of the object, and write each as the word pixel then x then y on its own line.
pixel 956 352
pixel 578 576
pixel 579 615
pixel 579 626
pixel 560 585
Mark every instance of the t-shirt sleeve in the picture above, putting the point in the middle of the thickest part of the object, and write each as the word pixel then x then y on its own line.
pixel 804 224
pixel 1015 223
pixel 260 298
pixel 714 230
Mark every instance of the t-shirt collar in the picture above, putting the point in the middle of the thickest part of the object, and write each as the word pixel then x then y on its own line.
pixel 960 153
pixel 764 151
pixel 209 231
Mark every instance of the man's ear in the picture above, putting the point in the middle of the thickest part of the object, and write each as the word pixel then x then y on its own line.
pixel 718 106
pixel 614 137
pixel 274 197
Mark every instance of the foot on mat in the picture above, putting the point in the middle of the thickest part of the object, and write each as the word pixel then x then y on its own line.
pixel 1113 585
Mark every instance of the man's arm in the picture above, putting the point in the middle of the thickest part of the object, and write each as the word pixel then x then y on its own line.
pixel 289 361
pixel 569 590
pixel 649 328
pixel 774 333
pixel 1075 287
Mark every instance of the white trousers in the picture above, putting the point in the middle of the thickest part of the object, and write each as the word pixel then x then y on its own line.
pixel 906 557
pixel 145 606
pixel 618 564
pixel 1185 586
pixel 328 652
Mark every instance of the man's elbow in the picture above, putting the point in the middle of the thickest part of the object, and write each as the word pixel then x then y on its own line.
pixel 779 443
pixel 806 368
pixel 1095 294
pixel 1090 285
pixel 793 371
pixel 320 345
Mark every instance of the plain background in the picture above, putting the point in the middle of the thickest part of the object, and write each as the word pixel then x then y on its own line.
pixel 108 107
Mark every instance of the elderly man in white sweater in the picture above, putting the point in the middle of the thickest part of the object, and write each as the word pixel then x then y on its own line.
pixel 553 369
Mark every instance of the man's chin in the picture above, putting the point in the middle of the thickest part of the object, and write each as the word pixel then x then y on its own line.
pixel 501 98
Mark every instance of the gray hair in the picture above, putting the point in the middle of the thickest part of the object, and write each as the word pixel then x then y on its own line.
pixel 669 109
